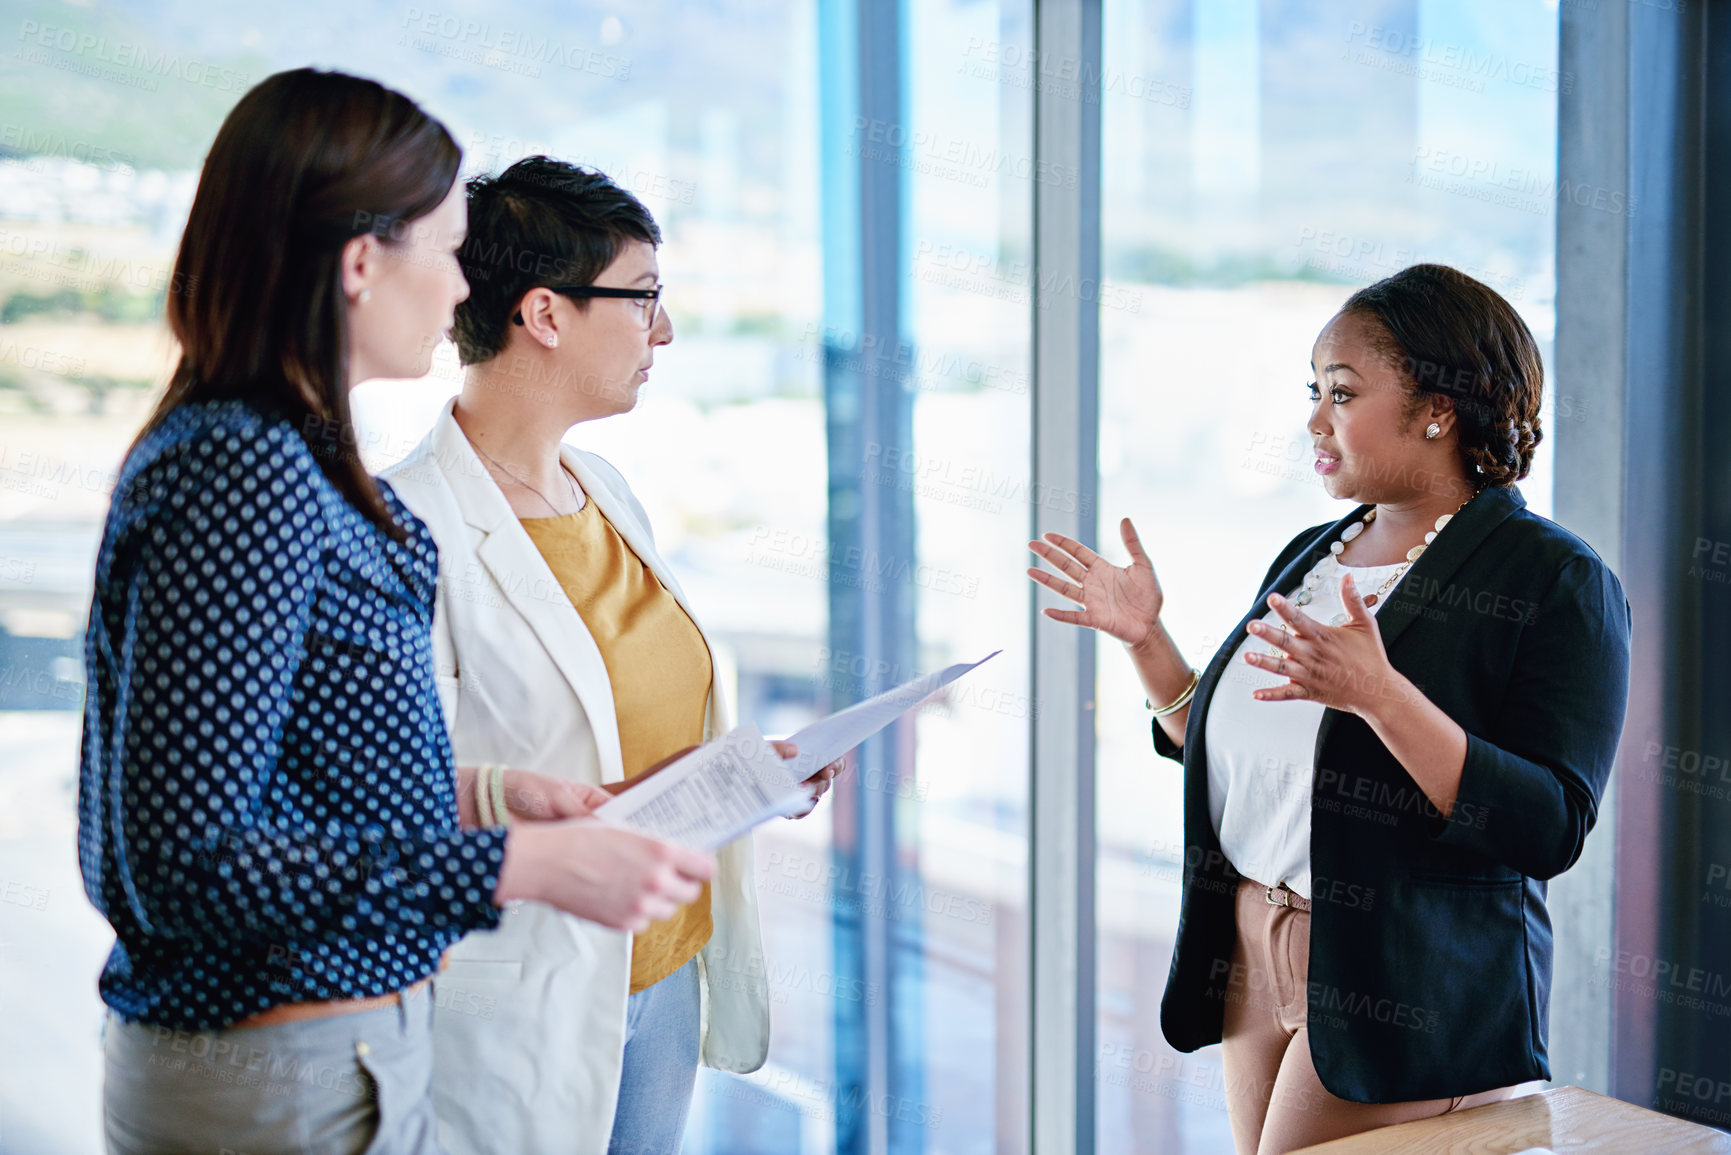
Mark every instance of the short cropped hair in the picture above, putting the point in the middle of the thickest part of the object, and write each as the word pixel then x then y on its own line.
pixel 540 222
pixel 1456 336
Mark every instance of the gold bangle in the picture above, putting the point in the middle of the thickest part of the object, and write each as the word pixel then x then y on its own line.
pixel 1182 700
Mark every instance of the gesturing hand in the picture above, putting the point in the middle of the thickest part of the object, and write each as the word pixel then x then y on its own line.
pixel 1342 666
pixel 1122 601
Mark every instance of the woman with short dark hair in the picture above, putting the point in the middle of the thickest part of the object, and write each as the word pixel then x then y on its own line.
pixel 269 815
pixel 1378 792
pixel 566 644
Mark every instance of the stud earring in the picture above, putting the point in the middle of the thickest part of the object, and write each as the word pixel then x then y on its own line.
pixel 552 340
pixel 366 295
pixel 1432 431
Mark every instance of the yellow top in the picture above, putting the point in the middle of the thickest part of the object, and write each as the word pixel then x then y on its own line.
pixel 660 670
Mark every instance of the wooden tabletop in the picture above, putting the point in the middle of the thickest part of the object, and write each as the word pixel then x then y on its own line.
pixel 1566 1119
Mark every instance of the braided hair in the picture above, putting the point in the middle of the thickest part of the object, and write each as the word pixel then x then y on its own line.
pixel 1456 336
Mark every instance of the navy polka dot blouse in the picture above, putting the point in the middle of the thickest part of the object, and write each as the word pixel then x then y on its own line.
pixel 267 800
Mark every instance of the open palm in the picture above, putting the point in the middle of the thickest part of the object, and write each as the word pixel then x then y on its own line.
pixel 1122 601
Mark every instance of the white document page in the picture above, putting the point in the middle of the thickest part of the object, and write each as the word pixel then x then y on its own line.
pixel 829 738
pixel 721 790
pixel 712 795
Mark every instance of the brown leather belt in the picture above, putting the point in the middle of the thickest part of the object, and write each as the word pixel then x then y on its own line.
pixel 1282 895
pixel 298 1012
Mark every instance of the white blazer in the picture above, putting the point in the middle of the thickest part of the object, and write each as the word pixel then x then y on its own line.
pixel 530 1018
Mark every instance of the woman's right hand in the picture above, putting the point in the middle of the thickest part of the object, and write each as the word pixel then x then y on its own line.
pixel 1122 601
pixel 614 877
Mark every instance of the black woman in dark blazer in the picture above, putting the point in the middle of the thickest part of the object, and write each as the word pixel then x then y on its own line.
pixel 1405 738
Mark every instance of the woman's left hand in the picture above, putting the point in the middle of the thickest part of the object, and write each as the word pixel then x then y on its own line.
pixel 533 797
pixel 819 783
pixel 1344 666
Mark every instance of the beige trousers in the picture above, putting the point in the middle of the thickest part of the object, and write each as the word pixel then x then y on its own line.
pixel 1274 1100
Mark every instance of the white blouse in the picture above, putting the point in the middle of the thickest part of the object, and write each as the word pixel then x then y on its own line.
pixel 1261 755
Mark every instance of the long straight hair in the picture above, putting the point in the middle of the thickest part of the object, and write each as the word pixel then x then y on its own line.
pixel 305 162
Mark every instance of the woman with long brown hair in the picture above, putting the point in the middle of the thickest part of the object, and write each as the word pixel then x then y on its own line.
pixel 268 811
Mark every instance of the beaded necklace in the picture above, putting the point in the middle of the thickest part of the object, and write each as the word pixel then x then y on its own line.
pixel 1313 580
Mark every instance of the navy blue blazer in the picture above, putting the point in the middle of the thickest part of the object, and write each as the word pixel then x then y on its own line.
pixel 1430 946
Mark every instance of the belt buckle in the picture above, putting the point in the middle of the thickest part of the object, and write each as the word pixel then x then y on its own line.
pixel 1285 894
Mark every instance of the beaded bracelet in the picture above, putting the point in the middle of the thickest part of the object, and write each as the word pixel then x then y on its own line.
pixel 501 812
pixel 483 798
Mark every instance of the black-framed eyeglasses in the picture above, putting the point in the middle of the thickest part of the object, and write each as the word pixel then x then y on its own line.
pixel 651 299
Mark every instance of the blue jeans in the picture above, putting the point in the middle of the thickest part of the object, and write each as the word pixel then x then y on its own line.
pixel 661 1037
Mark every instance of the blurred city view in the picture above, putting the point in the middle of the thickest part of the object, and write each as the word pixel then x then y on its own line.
pixel 1263 158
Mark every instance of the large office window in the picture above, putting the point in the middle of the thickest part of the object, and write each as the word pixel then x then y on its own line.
pixel 835 450
pixel 1263 159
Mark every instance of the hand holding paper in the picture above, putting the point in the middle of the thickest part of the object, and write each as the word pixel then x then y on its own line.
pixel 712 795
pixel 721 790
